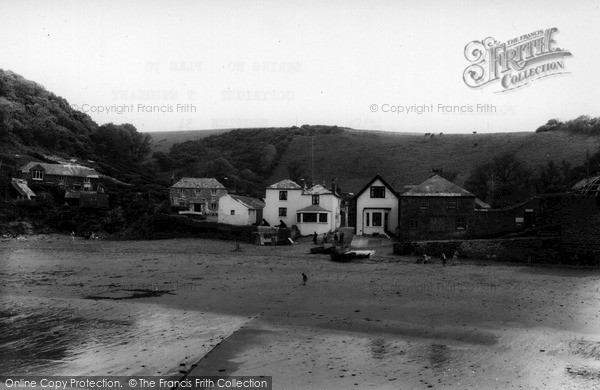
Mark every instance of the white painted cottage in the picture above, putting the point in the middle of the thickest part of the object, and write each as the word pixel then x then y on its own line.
pixel 377 208
pixel 240 210
pixel 316 209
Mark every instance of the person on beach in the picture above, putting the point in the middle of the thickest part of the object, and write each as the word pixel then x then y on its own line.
pixel 72 236
pixel 454 257
pixel 444 259
pixel 304 279
pixel 315 238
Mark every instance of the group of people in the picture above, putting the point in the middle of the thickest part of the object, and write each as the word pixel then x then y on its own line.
pixel 427 259
pixel 338 238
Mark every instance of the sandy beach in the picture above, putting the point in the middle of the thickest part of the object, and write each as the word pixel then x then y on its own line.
pixel 199 307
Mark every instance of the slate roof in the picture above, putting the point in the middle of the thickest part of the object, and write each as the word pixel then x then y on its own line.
pixel 437 186
pixel 251 203
pixel 285 184
pixel 198 182
pixel 63 170
pixel 312 208
pixel 317 189
pixel 480 204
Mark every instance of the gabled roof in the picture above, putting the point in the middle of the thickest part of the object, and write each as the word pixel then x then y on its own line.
pixel 22 188
pixel 198 182
pixel 251 203
pixel 480 204
pixel 437 186
pixel 285 184
pixel 587 186
pixel 313 208
pixel 377 177
pixel 62 169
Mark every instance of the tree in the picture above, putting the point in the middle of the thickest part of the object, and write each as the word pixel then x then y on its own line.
pixel 121 143
pixel 267 158
pixel 296 171
pixel 503 181
pixel 553 177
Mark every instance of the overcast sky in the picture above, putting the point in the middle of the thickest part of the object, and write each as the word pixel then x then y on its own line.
pixel 286 63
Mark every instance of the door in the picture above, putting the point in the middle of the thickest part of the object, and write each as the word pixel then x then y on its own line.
pixel 386 220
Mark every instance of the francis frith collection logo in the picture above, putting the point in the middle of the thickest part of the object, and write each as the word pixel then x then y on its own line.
pixel 516 62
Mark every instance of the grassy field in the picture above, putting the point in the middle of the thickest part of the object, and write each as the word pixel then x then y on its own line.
pixel 170 307
pixel 354 157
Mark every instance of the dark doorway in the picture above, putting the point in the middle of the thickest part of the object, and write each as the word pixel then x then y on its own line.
pixel 528 219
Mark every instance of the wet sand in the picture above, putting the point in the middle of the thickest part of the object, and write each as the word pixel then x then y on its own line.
pixel 161 307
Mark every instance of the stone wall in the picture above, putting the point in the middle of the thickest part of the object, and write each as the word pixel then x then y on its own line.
pixel 534 249
pixel 580 229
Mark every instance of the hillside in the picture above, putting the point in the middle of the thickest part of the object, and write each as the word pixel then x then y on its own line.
pixel 37 125
pixel 162 141
pixel 354 157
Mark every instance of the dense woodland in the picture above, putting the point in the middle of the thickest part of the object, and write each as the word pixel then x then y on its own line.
pixel 37 123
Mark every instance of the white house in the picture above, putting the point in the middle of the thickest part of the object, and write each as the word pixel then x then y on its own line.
pixel 377 208
pixel 316 209
pixel 240 210
pixel 282 200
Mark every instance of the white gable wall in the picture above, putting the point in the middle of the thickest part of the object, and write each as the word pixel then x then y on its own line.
pixel 272 205
pixel 367 205
pixel 242 215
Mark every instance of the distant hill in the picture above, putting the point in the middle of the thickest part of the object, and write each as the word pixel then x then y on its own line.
pixel 354 157
pixel 162 141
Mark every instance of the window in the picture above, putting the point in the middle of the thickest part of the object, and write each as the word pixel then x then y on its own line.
pixel 214 206
pixel 376 219
pixel 197 192
pixel 377 192
pixel 87 185
pixel 298 217
pixel 413 224
pixel 213 192
pixel 37 174
pixel 423 204
pixel 309 217
pixel 452 204
pixel 232 212
pixel 181 192
pixel 62 179
pixel 282 195
pixel 323 217
pixel 283 211
pixel 461 222
pixel 315 199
